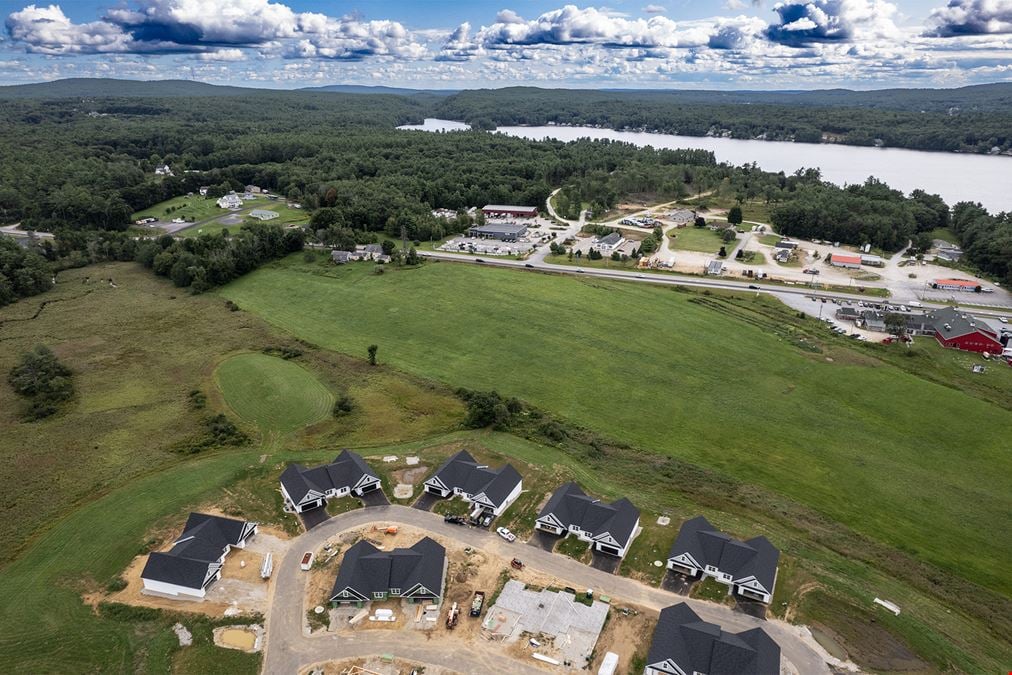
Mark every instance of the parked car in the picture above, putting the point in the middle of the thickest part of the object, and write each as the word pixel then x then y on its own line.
pixel 506 534
pixel 516 564
pixel 456 520
pixel 479 260
pixel 1003 319
pixel 529 265
pixel 755 288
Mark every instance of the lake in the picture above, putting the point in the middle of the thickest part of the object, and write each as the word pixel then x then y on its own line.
pixel 956 177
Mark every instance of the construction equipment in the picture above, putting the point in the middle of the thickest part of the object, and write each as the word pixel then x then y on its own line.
pixel 477 603
pixel 452 616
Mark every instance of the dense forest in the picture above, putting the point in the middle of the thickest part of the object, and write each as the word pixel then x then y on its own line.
pixel 81 167
pixel 976 121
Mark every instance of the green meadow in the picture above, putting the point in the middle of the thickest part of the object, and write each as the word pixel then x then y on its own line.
pixel 919 466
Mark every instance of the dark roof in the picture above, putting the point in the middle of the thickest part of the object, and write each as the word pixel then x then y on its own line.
pixel 503 228
pixel 959 322
pixel 696 646
pixel 505 208
pixel 741 559
pixel 345 471
pixel 609 239
pixel 373 248
pixel 368 570
pixel 463 471
pixel 571 505
pixel 204 540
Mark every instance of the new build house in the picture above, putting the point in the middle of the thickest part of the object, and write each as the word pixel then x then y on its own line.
pixel 305 489
pixel 195 560
pixel 748 567
pixel 491 491
pixel 684 644
pixel 367 573
pixel 230 201
pixel 609 528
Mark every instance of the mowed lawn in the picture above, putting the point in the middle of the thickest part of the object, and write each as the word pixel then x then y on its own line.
pixel 917 465
pixel 701 239
pixel 272 393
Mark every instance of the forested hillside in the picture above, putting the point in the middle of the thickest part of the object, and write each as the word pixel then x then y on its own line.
pixel 86 165
pixel 970 120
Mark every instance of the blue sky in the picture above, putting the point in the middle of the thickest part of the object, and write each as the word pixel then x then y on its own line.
pixel 754 44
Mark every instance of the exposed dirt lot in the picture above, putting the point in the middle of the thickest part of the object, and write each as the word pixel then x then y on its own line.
pixel 378 666
pixel 627 635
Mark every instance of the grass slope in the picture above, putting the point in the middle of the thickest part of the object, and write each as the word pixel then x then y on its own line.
pixel 917 465
pixel 275 394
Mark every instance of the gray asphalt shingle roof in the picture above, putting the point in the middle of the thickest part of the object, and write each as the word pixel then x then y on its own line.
pixel 367 570
pixel 696 646
pixel 572 506
pixel 463 471
pixel 345 471
pixel 204 540
pixel 709 546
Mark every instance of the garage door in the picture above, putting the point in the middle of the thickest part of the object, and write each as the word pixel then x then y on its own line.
pixel 608 549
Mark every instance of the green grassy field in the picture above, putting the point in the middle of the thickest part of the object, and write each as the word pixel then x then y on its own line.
pixel 856 450
pixel 196 207
pixel 701 239
pixel 274 394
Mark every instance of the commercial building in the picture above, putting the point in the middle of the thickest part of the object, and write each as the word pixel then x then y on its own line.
pixel 872 260
pixel 849 261
pixel 509 211
pixel 500 231
pixel 956 329
pixel 956 285
pixel 610 241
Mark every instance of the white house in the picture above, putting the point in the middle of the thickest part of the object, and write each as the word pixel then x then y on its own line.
pixel 305 489
pixel 609 528
pixel 203 190
pixel 230 201
pixel 163 170
pixel 610 242
pixel 490 490
pixel 749 568
pixel 195 560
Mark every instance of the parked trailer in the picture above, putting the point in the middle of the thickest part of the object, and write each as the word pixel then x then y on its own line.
pixel 609 664
pixel 267 567
pixel 477 603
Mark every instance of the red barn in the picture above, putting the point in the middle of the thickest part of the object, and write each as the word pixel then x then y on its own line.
pixel 957 330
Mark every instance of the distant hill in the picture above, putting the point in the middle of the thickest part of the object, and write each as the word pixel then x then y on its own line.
pixel 103 87
pixel 365 89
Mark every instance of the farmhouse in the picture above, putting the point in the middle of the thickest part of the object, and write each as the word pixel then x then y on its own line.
pixel 195 560
pixel 507 211
pixel 340 257
pixel 491 491
pixel 305 489
pixel 957 330
pixel 849 261
pixel 501 231
pixel 955 285
pixel 261 214
pixel 367 573
pixel 684 643
pixel 748 567
pixel 163 170
pixel 610 242
pixel 609 528
pixel 230 201
pixel 369 252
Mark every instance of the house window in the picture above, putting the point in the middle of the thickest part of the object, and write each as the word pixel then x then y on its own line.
pixel 711 568
pixel 379 595
pixel 395 591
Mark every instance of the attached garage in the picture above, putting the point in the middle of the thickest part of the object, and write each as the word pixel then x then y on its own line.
pixel 610 550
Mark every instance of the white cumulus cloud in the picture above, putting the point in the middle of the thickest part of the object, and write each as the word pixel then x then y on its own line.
pixel 971 17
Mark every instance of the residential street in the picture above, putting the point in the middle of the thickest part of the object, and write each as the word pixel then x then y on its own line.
pixel 288 648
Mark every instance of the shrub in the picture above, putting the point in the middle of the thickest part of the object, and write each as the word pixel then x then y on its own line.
pixel 344 405
pixel 43 380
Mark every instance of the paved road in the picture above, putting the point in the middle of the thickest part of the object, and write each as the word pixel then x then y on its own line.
pixel 288 649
